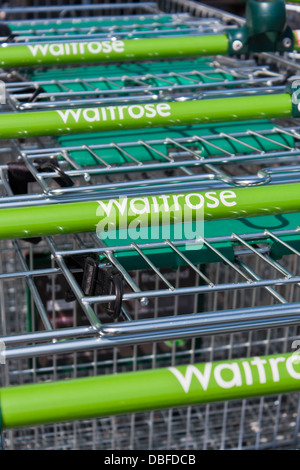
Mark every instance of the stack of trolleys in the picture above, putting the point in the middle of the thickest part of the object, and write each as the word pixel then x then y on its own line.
pixel 105 319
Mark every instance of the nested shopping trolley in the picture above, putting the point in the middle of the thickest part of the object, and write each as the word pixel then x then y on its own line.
pixel 132 335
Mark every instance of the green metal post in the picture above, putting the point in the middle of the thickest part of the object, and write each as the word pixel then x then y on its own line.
pixel 91 397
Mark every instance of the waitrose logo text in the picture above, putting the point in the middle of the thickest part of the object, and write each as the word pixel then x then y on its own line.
pixel 75 48
pixel 115 113
pixel 154 216
pixel 167 203
pixel 240 373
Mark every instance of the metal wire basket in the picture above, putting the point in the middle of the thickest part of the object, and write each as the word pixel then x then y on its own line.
pixel 77 305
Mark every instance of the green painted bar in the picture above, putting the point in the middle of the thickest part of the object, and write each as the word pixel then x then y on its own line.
pixel 85 398
pixel 72 52
pixel 138 116
pixel 89 216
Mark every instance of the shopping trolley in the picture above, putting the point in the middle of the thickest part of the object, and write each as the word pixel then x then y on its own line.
pixel 176 305
pixel 264 30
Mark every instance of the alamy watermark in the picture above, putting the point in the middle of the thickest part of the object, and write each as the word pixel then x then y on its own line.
pixel 176 216
pixel 153 218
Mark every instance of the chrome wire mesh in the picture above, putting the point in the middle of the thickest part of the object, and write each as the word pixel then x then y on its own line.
pixel 20 10
pixel 220 78
pixel 197 162
pixel 255 423
pixel 147 26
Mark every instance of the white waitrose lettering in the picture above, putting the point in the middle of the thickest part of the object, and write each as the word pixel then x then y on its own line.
pixel 107 207
pixel 65 48
pixel 185 380
pixel 39 47
pixel 248 373
pixel 164 203
pixel 116 113
pixel 290 367
pixel 236 380
pixel 140 210
pixel 260 363
pixel 274 366
pixel 242 372
pixel 227 195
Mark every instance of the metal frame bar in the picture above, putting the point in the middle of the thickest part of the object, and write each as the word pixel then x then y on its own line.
pixel 96 335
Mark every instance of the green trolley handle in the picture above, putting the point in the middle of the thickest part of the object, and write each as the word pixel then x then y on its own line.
pixel 265 30
pixel 76 52
pixel 162 209
pixel 91 397
pixel 140 116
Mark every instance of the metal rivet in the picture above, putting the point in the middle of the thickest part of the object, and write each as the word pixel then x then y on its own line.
pixel 237 45
pixel 287 42
pixel 144 301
